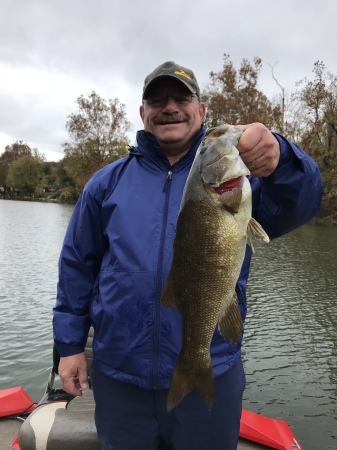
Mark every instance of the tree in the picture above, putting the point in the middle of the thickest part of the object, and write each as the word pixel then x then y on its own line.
pixel 51 174
pixel 25 174
pixel 97 136
pixel 12 152
pixel 319 135
pixel 290 122
pixel 233 96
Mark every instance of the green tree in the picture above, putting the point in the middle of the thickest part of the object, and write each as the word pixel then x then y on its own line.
pixel 12 152
pixel 233 96
pixel 51 171
pixel 98 136
pixel 25 174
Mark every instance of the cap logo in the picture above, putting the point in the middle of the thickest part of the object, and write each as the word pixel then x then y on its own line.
pixel 182 73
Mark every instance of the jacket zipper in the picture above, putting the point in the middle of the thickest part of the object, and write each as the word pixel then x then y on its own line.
pixel 168 179
pixel 166 190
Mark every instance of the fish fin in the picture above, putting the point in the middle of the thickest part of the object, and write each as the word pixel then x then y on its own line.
pixel 255 231
pixel 230 322
pixel 167 298
pixel 184 380
pixel 231 199
pixel 250 243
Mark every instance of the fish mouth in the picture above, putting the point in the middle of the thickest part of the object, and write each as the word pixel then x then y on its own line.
pixel 229 185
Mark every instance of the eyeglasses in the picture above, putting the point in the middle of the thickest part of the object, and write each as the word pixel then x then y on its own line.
pixel 179 99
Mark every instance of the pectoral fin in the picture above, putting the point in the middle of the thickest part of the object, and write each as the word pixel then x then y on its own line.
pixel 255 231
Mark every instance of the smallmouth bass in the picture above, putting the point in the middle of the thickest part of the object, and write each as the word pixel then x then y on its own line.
pixel 213 228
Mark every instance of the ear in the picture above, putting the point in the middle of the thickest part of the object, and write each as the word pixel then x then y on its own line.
pixel 141 112
pixel 202 110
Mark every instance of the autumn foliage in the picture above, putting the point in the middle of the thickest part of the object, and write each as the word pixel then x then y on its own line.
pixel 98 129
pixel 233 96
pixel 97 136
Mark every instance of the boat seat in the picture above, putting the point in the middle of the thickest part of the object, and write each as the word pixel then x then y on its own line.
pixel 61 421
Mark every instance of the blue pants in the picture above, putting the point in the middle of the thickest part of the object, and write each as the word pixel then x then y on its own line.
pixel 131 418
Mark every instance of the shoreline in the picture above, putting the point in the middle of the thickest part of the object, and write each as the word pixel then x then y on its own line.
pixel 325 217
pixel 39 200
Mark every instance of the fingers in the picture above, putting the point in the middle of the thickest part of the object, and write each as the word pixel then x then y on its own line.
pixel 259 149
pixel 262 166
pixel 73 372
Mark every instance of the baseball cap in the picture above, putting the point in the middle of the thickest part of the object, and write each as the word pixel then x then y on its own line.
pixel 171 69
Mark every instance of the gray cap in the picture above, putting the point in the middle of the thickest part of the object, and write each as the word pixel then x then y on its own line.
pixel 171 69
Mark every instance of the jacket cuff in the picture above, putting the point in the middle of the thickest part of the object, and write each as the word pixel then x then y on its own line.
pixel 68 350
pixel 286 151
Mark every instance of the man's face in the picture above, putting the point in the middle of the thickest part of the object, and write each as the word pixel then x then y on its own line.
pixel 174 125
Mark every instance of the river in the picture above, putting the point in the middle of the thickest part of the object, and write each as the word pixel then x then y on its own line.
pixel 290 345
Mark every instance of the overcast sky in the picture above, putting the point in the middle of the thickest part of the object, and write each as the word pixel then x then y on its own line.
pixel 53 51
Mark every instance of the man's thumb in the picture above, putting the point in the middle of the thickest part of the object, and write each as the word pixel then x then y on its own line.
pixel 83 379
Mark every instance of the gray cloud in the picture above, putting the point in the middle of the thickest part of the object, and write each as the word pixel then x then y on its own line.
pixel 110 46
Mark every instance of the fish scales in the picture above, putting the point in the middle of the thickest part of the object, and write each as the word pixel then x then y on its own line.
pixel 209 248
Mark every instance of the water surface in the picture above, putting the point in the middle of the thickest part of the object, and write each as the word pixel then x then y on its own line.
pixel 290 345
pixel 31 236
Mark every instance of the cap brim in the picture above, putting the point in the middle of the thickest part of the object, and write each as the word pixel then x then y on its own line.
pixel 189 87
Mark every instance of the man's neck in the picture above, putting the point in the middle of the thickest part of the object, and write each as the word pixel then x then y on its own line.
pixel 173 159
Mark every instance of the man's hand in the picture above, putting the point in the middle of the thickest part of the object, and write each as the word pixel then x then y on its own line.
pixel 73 372
pixel 259 149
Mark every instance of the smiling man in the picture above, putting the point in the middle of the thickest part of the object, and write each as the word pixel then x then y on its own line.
pixel 117 254
pixel 172 110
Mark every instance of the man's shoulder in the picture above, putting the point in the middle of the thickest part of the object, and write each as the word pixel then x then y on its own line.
pixel 107 176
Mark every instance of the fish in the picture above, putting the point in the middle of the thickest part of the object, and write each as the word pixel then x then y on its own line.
pixel 214 225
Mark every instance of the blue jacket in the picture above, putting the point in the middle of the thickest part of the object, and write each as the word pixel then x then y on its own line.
pixel 117 254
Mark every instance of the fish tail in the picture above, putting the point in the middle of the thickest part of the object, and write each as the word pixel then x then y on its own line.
pixel 185 379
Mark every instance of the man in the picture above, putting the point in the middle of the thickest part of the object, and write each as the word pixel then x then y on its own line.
pixel 117 254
